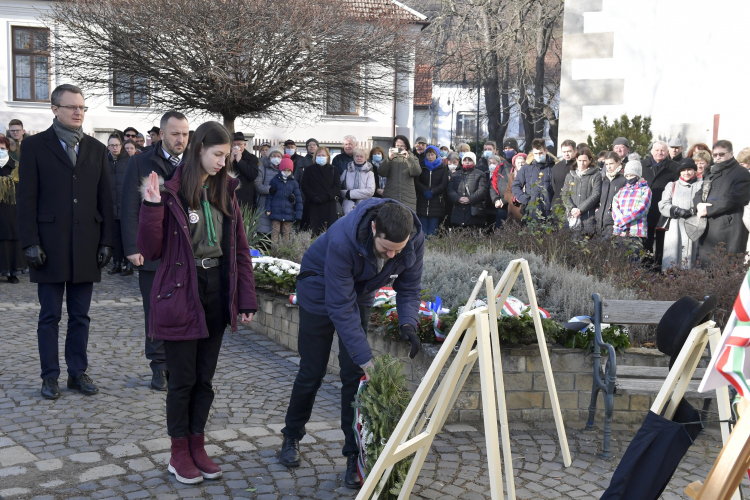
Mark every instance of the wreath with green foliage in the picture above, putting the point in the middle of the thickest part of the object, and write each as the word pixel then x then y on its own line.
pixel 381 405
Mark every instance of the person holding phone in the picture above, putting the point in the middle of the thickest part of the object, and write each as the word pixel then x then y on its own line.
pixel 400 169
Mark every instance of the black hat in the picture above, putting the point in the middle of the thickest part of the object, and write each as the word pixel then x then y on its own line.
pixel 238 136
pixel 510 143
pixel 687 163
pixel 154 130
pixel 312 140
pixel 676 324
pixel 289 141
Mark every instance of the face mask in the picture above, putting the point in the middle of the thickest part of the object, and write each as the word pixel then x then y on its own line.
pixel 377 158
pixel 3 154
pixel 487 154
pixel 468 166
pixel 510 154
pixel 321 160
pixel 290 152
pixel 443 154
pixel 492 168
pixel 452 167
pixel 539 157
pixel 461 155
pixel 285 174
pixel 275 160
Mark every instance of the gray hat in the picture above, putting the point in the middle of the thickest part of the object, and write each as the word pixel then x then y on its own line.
pixel 674 143
pixel 621 141
pixel 421 139
pixel 633 167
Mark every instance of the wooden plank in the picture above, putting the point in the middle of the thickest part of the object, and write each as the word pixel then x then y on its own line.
pixel 651 372
pixel 634 312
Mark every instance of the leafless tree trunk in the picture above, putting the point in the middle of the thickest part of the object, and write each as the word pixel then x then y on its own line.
pixel 265 59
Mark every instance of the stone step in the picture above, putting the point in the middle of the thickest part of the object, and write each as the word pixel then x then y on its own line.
pixel 651 372
pixel 651 387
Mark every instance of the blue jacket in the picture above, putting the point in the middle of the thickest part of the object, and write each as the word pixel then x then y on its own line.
pixel 280 203
pixel 339 275
pixel 534 183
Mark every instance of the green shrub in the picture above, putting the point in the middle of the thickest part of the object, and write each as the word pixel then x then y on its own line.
pixel 298 244
pixel 637 131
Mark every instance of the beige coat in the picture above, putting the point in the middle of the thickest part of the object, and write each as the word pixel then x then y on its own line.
pixel 400 173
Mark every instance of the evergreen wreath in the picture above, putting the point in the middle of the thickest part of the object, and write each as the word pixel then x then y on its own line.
pixel 380 404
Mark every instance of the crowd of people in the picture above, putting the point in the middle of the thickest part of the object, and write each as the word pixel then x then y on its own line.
pixel 173 211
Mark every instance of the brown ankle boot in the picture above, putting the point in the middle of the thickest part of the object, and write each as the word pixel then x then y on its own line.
pixel 205 465
pixel 181 464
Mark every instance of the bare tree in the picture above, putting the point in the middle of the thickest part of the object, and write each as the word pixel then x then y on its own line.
pixel 504 45
pixel 273 59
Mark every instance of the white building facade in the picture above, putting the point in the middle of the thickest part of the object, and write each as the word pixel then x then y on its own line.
pixel 29 67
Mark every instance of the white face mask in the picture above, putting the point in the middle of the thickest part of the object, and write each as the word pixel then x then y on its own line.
pixel 539 157
pixel 493 167
pixel 275 160
pixel 286 173
pixel 290 151
pixel 3 153
pixel 452 167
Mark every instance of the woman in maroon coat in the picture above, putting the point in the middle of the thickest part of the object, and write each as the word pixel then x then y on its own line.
pixel 204 282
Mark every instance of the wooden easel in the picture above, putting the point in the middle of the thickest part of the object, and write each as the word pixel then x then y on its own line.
pixel 674 388
pixel 477 325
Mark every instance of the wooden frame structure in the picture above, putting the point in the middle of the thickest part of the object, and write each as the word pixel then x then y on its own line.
pixel 423 419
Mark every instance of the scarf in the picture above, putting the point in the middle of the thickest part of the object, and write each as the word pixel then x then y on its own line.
pixel 716 169
pixel 210 230
pixel 71 138
pixel 357 172
pixel 432 165
pixel 612 176
pixel 8 187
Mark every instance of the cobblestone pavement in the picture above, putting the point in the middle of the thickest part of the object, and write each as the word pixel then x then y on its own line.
pixel 114 444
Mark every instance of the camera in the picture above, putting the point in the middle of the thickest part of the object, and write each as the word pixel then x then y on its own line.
pixel 400 150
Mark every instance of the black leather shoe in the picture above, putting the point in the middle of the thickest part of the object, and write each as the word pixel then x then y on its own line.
pixel 351 479
pixel 117 269
pixel 159 380
pixel 83 384
pixel 50 389
pixel 13 279
pixel 289 456
pixel 128 271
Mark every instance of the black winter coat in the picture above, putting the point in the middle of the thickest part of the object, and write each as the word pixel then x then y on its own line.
pixel 65 209
pixel 139 168
pixel 246 170
pixel 728 195
pixel 436 181
pixel 321 188
pixel 533 183
pixel 604 221
pixel 300 166
pixel 559 172
pixel 8 212
pixel 471 183
pixel 341 161
pixel 583 191
pixel 657 181
pixel 117 168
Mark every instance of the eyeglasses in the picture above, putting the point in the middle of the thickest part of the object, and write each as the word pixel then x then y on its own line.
pixel 75 108
pixel 719 155
pixel 15 131
pixel 133 136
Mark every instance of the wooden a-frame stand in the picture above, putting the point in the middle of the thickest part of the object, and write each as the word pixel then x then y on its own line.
pixel 410 435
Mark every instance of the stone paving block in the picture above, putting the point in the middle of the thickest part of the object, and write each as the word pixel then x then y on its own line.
pixel 268 442
pixel 140 464
pixel 12 471
pixel 53 484
pixel 85 458
pixel 4 441
pixel 240 446
pixel 15 455
pixel 213 451
pixel 332 435
pixel 101 472
pixel 223 435
pixel 161 458
pixel 254 431
pixel 158 444
pixel 124 450
pixel 11 492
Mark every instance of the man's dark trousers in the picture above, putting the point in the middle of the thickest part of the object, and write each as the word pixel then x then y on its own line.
pixel 78 298
pixel 314 345
pixel 154 348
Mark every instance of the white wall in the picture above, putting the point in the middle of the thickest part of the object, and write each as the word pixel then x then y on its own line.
pixel 678 61
pixel 373 120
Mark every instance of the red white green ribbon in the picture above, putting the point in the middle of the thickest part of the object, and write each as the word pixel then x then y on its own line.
pixel 734 359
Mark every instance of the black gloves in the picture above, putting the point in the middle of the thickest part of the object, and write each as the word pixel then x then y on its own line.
pixel 409 333
pixel 317 200
pixel 680 213
pixel 292 198
pixel 347 195
pixel 103 255
pixel 272 190
pixel 35 257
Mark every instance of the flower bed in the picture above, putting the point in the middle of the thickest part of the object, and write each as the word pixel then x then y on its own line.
pixel 277 275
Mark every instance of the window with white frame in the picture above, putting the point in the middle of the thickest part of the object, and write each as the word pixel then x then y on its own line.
pixel 129 90
pixel 30 55
pixel 344 99
pixel 466 123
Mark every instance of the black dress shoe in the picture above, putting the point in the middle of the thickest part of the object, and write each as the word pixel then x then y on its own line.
pixel 83 384
pixel 117 269
pixel 159 380
pixel 13 279
pixel 351 479
pixel 128 271
pixel 50 389
pixel 289 455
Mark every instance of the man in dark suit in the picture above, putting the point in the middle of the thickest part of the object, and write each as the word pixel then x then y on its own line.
pixel 245 166
pixel 65 208
pixel 163 159
pixel 658 170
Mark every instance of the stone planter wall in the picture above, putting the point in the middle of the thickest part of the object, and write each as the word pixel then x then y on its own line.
pixel 525 384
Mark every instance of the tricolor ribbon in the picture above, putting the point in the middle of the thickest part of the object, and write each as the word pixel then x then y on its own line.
pixel 436 309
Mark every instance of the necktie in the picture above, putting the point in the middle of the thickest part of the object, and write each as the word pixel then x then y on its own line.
pixel 175 160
